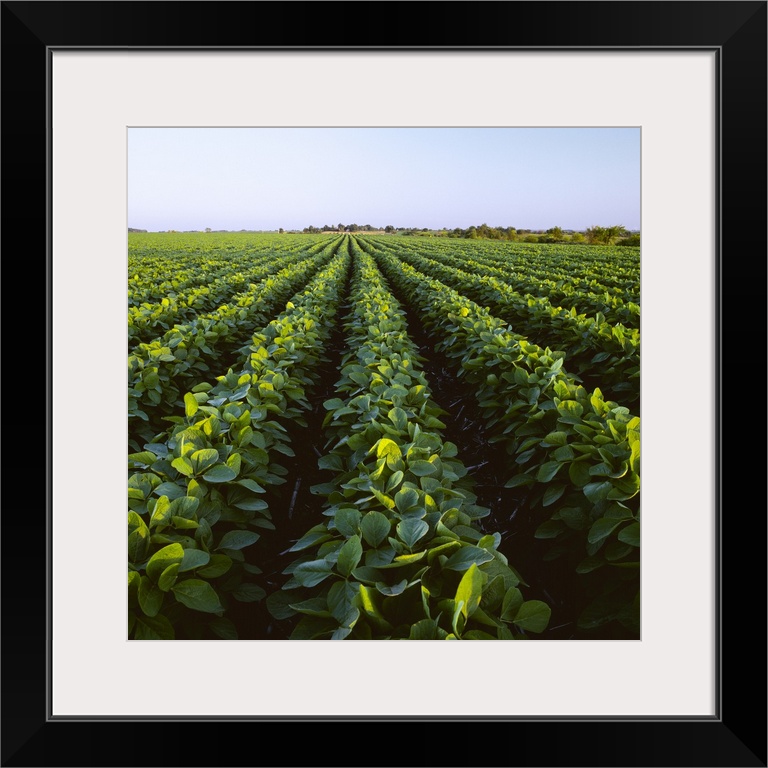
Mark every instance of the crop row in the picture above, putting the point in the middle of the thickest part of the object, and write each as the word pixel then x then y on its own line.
pixel 163 265
pixel 147 320
pixel 570 283
pixel 401 555
pixel 577 454
pixel 594 349
pixel 184 355
pixel 586 268
pixel 195 496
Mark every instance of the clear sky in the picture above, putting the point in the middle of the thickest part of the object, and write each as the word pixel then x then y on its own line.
pixel 266 178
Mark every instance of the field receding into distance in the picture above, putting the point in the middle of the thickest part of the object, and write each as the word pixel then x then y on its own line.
pixel 345 436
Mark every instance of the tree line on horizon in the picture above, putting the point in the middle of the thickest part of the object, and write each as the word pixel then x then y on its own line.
pixel 594 235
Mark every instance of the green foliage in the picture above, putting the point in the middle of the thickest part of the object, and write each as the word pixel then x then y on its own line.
pixel 605 235
pixel 586 340
pixel 186 352
pixel 194 494
pixel 402 555
pixel 401 551
pixel 578 453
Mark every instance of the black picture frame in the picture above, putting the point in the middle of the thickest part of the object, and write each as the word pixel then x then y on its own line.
pixel 736 736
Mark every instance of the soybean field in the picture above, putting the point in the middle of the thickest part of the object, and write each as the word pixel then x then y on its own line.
pixel 368 437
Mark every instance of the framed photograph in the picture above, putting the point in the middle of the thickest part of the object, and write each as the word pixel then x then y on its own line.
pixel 80 76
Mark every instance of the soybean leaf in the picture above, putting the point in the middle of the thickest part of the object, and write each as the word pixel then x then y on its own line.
pixel 191 405
pixel 391 590
pixel 470 590
pixel 340 600
pixel 198 595
pixel 238 539
pixel 601 529
pixel 218 566
pixel 596 492
pixel 312 573
pixel 203 459
pixel 138 538
pixel 630 534
pixel 184 466
pixel 194 558
pixel 184 506
pixel 173 553
pixel 347 521
pixel 221 473
pixel 555 438
pixel 375 528
pixel 547 471
pixel 552 494
pixel 533 616
pixel 331 461
pixel 349 556
pixel 411 530
pixel 422 468
pixel 387 447
pixel 248 593
pixel 466 556
pixel 171 490
pixel 150 597
pixel 405 498
pixel 426 629
pixel 153 628
pixel 251 485
pixel 513 599
pixel 399 418
pixel 315 606
pixel 394 481
pixel 315 535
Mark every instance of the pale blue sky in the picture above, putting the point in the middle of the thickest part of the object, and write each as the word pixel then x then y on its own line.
pixel 266 178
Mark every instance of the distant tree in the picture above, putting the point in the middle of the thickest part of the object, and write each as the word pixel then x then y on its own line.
pixel 389 228
pixel 577 237
pixel 556 233
pixel 615 232
pixel 593 234
pixel 207 229
pixel 604 235
pixel 341 227
pixel 630 240
pixel 281 230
